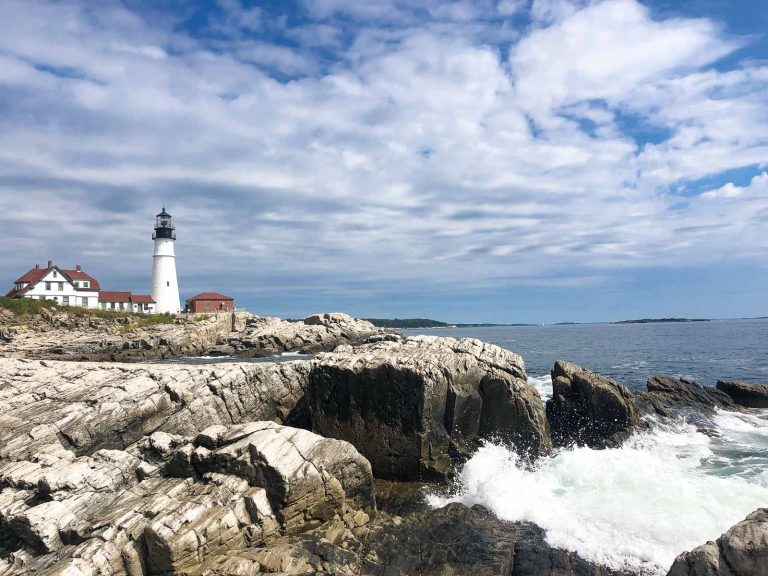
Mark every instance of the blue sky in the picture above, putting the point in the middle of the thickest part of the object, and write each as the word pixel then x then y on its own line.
pixel 488 160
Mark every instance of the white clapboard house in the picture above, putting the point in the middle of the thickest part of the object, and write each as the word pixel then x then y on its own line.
pixel 75 288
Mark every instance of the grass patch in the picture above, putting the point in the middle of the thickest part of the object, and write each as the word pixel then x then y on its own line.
pixel 28 307
pixel 25 306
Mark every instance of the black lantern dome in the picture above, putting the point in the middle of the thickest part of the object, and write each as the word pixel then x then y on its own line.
pixel 164 226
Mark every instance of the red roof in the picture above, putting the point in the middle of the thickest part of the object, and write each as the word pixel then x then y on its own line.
pixel 37 273
pixel 13 293
pixel 79 275
pixel 209 296
pixel 142 299
pixel 106 296
pixel 33 276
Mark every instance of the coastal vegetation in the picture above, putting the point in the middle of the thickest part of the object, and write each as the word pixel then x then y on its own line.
pixel 30 307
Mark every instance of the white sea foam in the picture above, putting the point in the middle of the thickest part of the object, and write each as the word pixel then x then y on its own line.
pixel 543 384
pixel 635 507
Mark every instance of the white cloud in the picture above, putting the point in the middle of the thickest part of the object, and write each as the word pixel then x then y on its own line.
pixel 419 157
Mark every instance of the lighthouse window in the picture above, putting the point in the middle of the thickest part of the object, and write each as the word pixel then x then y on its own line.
pixel 168 283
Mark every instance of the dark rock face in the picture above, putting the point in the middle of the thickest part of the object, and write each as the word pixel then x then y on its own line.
pixel 589 409
pixel 745 394
pixel 666 396
pixel 741 551
pixel 450 541
pixel 415 406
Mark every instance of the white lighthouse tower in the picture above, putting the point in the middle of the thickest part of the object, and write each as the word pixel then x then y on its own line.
pixel 165 287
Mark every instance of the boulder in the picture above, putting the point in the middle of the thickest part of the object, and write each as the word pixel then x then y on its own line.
pixel 414 406
pixel 745 394
pixel 589 409
pixel 741 551
pixel 307 478
pixel 667 396
pixel 271 336
pixel 248 485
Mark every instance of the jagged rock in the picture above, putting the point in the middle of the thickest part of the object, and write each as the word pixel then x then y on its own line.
pixel 413 406
pixel 59 334
pixel 745 394
pixel 271 336
pixel 741 551
pixel 667 396
pixel 84 406
pixel 587 408
pixel 308 478
pixel 247 485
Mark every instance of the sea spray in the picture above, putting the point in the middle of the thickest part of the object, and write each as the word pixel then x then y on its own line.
pixel 667 490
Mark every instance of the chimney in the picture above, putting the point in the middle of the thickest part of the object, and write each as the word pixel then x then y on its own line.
pixel 50 263
pixel 77 268
pixel 37 266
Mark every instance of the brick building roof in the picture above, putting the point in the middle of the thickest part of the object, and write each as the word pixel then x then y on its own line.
pixel 208 296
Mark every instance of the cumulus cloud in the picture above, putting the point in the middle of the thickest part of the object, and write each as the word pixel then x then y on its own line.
pixel 393 144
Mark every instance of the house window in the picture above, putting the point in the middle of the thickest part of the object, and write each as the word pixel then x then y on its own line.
pixel 85 284
pixel 47 285
pixel 85 302
pixel 121 306
pixel 61 286
pixel 55 275
pixel 77 284
pixel 65 300
pixel 112 305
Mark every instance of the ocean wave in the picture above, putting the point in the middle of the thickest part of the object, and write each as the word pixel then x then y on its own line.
pixel 636 507
pixel 543 384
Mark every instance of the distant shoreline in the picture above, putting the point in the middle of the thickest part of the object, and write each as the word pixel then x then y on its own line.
pixel 661 320
pixel 429 324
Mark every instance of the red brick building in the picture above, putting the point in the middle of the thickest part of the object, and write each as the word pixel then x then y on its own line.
pixel 209 302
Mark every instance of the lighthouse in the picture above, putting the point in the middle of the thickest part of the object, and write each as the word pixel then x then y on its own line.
pixel 165 287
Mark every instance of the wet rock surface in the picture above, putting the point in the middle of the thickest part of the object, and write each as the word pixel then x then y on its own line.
pixel 589 409
pixel 415 406
pixel 741 551
pixel 745 394
pixel 666 396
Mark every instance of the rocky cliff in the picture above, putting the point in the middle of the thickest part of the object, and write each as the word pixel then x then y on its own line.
pixel 67 335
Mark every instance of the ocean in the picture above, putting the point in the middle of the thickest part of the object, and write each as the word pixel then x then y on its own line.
pixel 666 490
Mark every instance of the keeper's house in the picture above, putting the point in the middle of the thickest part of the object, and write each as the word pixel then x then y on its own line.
pixel 66 287
pixel 210 302
pixel 76 288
